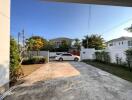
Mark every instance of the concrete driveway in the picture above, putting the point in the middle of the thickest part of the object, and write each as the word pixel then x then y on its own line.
pixel 85 83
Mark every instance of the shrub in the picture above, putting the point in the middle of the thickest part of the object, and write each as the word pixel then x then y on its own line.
pixel 102 56
pixel 129 58
pixel 34 60
pixel 14 61
pixel 129 54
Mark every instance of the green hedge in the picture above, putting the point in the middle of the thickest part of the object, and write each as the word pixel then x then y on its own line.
pixel 129 55
pixel 35 60
pixel 103 56
pixel 129 58
pixel 14 61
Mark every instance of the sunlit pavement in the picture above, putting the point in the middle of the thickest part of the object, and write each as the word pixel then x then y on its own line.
pixel 85 83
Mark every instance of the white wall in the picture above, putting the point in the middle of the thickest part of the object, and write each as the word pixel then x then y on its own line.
pixel 121 46
pixel 120 52
pixel 90 54
pixel 38 53
pixel 87 54
pixel 4 41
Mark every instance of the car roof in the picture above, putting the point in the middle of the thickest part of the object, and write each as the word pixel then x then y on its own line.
pixel 66 53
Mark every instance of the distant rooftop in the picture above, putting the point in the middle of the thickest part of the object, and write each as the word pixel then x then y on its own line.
pixel 120 39
pixel 61 38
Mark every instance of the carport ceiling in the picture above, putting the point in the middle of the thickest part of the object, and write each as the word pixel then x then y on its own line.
pixel 103 2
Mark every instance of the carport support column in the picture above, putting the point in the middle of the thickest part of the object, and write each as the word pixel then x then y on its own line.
pixel 4 43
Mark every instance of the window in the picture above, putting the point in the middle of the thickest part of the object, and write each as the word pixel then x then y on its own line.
pixel 83 52
pixel 129 43
pixel 66 55
pixel 119 43
pixel 111 44
pixel 122 42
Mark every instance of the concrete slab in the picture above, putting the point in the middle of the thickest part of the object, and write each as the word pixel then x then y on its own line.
pixel 91 84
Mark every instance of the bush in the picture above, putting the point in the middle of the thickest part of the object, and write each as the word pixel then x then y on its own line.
pixel 103 56
pixel 129 58
pixel 34 60
pixel 129 55
pixel 14 61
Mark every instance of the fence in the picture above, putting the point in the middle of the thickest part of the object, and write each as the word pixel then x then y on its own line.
pixel 37 53
pixel 114 54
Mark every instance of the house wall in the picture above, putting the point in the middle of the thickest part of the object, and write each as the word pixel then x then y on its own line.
pixel 118 49
pixel 4 42
pixel 119 45
pixel 117 53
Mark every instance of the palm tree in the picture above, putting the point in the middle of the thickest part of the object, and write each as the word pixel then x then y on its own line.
pixel 93 41
pixel 77 43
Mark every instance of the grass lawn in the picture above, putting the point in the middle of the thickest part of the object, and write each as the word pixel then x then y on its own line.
pixel 122 72
pixel 28 69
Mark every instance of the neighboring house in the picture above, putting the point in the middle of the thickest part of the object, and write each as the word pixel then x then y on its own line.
pixel 115 47
pixel 120 43
pixel 60 40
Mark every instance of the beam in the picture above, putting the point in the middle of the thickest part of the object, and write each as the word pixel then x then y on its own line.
pixel 100 2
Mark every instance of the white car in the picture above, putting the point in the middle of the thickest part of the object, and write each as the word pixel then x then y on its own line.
pixel 67 56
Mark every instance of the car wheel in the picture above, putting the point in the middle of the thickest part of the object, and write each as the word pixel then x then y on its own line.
pixel 76 59
pixel 61 59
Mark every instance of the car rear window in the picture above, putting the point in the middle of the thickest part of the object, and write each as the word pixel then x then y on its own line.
pixel 66 55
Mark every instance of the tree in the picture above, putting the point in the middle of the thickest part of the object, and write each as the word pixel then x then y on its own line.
pixel 129 58
pixel 36 43
pixel 93 41
pixel 14 61
pixel 77 43
pixel 64 47
pixel 129 29
pixel 50 46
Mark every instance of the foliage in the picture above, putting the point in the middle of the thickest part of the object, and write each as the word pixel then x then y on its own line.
pixel 77 44
pixel 118 60
pixel 93 41
pixel 14 61
pixel 129 29
pixel 103 56
pixel 129 54
pixel 129 58
pixel 34 60
pixel 36 43
pixel 50 46
pixel 64 47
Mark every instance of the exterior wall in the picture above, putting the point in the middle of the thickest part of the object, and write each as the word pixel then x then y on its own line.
pixel 87 54
pixel 90 54
pixel 116 45
pixel 118 49
pixel 4 42
pixel 38 53
pixel 117 53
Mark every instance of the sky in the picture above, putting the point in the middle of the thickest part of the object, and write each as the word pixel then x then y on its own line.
pixel 73 20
